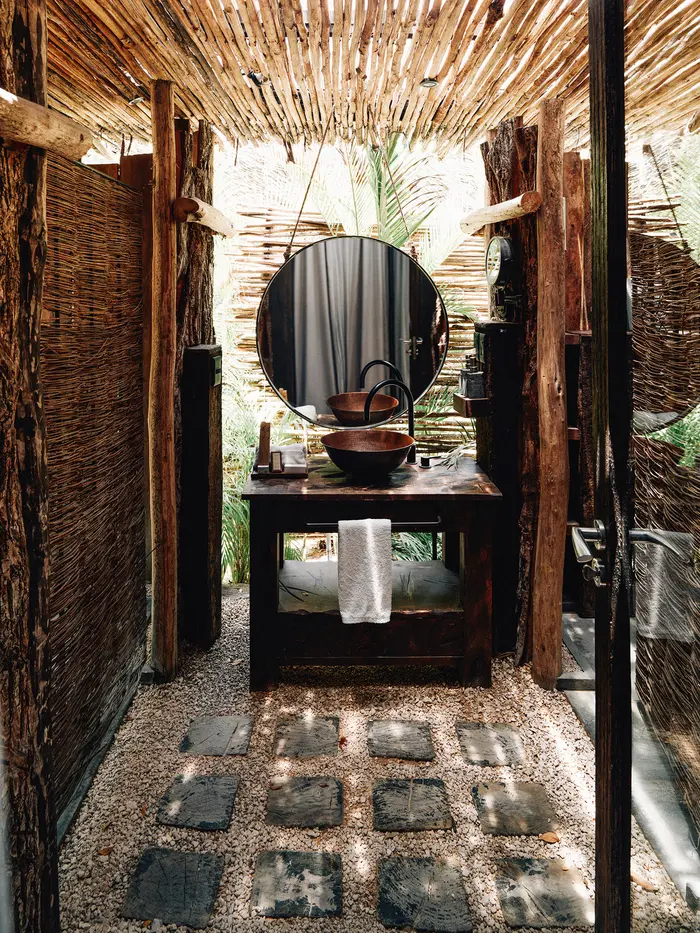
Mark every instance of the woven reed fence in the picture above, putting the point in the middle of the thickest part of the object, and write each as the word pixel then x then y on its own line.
pixel 259 253
pixel 92 376
pixel 666 340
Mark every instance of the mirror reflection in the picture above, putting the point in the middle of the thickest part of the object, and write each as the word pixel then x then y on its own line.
pixel 342 315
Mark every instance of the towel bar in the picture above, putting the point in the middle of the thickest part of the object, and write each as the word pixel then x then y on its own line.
pixel 395 526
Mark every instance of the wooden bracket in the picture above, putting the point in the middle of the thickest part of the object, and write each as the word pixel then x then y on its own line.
pixel 23 121
pixel 526 203
pixel 192 210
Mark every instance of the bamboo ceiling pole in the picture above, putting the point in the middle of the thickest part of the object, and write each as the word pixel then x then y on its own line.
pixel 161 401
pixel 27 122
pixel 551 382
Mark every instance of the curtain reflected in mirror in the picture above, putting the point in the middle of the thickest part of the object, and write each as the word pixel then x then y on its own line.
pixel 336 306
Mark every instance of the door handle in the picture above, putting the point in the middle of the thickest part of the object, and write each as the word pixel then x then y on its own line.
pixel 582 539
pixel 649 536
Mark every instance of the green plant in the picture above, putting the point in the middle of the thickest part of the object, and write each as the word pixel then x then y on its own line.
pixel 686 435
pixel 414 545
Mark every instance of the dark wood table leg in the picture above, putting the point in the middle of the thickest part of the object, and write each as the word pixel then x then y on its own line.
pixel 264 557
pixel 476 565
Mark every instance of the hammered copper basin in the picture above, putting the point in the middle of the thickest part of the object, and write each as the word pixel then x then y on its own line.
pixel 372 452
pixel 349 407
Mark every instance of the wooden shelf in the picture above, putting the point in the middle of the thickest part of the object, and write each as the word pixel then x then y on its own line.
pixel 471 407
pixel 417 586
pixel 574 434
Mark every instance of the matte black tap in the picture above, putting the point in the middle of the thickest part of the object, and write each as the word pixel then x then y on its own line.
pixel 395 370
pixel 411 458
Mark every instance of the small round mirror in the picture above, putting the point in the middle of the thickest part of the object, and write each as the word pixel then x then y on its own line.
pixel 338 306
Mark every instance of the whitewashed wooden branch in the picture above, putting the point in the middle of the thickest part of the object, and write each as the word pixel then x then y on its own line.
pixel 192 210
pixel 25 122
pixel 525 203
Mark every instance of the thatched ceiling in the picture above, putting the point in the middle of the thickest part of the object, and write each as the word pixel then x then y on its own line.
pixel 263 70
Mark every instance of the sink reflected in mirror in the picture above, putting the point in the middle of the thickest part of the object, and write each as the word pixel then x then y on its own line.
pixel 349 408
pixel 370 452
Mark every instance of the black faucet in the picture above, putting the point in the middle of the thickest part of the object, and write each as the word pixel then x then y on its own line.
pixel 391 366
pixel 411 458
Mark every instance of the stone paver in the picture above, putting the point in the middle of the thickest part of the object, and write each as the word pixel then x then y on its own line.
pixel 514 809
pixel 538 893
pixel 177 887
pixel 423 894
pixel 218 735
pixel 199 802
pixel 297 884
pixel 305 737
pixel 490 744
pixel 400 738
pixel 305 802
pixel 411 805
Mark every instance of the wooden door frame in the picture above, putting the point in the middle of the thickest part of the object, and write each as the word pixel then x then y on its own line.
pixel 612 416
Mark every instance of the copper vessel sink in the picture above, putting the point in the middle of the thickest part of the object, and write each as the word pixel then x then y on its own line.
pixel 348 408
pixel 369 453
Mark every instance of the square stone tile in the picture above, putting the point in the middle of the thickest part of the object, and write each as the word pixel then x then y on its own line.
pixel 199 802
pixel 514 809
pixel 305 801
pixel 218 735
pixel 538 893
pixel 490 744
pixel 306 737
pixel 177 887
pixel 411 805
pixel 423 894
pixel 400 738
pixel 297 884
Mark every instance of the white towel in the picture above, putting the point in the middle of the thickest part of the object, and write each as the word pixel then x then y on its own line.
pixel 364 570
pixel 293 455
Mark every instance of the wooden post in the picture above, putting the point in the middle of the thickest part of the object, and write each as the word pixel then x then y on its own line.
pixel 519 206
pixel 574 256
pixel 27 793
pixel 612 419
pixel 551 382
pixel 161 405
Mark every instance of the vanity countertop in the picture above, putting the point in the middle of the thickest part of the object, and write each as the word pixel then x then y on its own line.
pixel 408 482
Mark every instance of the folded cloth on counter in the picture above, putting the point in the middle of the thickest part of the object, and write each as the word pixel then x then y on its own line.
pixel 307 411
pixel 364 570
pixel 292 455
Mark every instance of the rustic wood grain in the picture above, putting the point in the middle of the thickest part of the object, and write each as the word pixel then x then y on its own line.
pixel 24 613
pixel 612 417
pixel 161 410
pixel 551 380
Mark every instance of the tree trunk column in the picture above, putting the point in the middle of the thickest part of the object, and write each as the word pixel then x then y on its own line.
pixel 161 407
pixel 551 384
pixel 24 615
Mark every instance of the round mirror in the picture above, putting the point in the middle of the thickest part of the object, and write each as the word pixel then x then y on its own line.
pixel 338 306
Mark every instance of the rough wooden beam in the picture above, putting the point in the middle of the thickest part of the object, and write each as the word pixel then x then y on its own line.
pixel 551 381
pixel 612 417
pixel 574 255
pixel 23 121
pixel 526 203
pixel 192 210
pixel 161 406
pixel 25 722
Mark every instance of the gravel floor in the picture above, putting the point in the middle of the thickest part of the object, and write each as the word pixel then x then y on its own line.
pixel 117 820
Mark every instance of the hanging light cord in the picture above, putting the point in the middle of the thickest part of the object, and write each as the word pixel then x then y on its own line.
pixel 648 149
pixel 288 251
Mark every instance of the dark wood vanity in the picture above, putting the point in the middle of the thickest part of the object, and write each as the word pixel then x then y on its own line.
pixel 441 612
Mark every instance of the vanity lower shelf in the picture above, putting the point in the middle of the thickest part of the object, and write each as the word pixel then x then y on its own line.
pixel 417 586
pixel 426 625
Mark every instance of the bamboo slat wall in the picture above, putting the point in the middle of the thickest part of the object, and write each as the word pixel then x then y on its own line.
pixel 91 348
pixel 258 254
pixel 280 69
